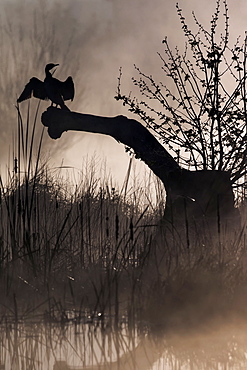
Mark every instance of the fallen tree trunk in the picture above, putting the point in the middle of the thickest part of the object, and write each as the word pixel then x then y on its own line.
pixel 190 194
pixel 127 131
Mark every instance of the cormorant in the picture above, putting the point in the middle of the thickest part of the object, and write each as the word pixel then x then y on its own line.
pixel 53 89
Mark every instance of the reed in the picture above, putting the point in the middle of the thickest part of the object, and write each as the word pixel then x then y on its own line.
pixel 55 235
pixel 93 247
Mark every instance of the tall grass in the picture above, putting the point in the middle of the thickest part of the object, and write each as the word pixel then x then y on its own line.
pixel 93 247
pixel 68 241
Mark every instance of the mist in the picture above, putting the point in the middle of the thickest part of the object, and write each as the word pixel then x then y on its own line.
pixel 91 40
pixel 88 276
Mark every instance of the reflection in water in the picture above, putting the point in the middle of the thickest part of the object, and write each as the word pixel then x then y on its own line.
pixel 96 344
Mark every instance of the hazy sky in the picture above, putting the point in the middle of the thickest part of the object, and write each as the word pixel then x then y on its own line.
pixel 138 28
pixel 106 35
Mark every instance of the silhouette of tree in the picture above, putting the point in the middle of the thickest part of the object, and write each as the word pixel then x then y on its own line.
pixel 199 112
pixel 200 118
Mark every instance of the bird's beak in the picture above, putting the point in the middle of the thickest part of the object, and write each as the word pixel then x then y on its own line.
pixel 54 70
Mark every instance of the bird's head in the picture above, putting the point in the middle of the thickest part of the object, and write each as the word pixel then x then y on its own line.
pixel 50 66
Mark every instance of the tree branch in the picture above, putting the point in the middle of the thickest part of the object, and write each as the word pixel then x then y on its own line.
pixel 127 131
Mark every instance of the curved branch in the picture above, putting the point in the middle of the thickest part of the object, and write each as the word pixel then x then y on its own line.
pixel 127 131
pixel 190 194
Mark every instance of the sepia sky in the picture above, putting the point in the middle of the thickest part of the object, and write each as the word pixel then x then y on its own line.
pixel 92 39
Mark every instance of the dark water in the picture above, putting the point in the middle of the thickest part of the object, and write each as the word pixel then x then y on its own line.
pixel 98 344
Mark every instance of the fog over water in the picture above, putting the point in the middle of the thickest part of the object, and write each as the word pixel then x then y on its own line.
pixel 90 39
pixel 86 278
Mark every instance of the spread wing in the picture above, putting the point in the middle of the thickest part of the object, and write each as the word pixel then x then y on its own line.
pixel 67 89
pixel 34 87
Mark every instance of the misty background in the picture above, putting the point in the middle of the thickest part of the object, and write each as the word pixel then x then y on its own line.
pixel 91 40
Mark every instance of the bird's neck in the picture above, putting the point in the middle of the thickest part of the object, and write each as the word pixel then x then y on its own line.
pixel 48 73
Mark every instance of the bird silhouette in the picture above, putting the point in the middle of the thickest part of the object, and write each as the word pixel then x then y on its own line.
pixel 53 89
